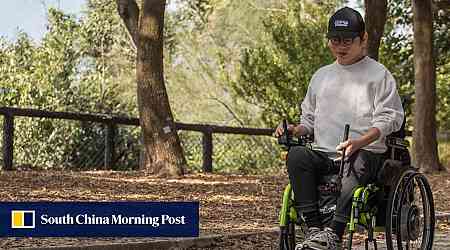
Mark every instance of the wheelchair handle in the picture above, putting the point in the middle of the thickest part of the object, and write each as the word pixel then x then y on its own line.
pixel 286 133
pixel 341 168
pixel 288 141
pixel 284 125
pixel 284 139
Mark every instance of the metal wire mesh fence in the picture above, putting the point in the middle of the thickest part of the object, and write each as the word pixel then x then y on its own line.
pixel 246 154
pixel 49 143
pixel 44 143
pixel 52 140
pixel 89 145
pixel 233 153
pixel 192 147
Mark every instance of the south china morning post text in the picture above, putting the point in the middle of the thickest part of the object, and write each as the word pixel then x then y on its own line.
pixel 114 219
pixel 99 219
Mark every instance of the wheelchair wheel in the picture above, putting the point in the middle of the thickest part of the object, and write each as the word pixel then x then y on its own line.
pixel 287 221
pixel 287 236
pixel 410 213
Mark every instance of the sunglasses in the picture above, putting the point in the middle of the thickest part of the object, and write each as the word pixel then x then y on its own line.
pixel 339 40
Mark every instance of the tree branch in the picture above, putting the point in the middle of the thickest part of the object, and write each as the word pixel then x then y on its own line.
pixel 129 12
pixel 262 144
pixel 228 108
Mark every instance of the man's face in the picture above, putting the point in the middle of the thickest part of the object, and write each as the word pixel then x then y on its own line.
pixel 347 50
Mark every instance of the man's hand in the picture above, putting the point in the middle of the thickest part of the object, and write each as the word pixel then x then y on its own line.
pixel 350 146
pixel 353 145
pixel 298 130
pixel 280 130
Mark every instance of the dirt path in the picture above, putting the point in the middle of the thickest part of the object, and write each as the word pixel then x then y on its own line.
pixel 228 203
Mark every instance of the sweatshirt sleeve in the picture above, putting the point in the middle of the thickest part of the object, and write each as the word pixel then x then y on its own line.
pixel 388 114
pixel 307 110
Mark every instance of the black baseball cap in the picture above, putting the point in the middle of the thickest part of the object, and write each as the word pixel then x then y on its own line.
pixel 345 23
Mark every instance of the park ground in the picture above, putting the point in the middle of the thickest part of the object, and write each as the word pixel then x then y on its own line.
pixel 229 204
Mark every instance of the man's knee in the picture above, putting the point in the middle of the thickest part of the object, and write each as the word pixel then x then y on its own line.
pixel 364 166
pixel 299 157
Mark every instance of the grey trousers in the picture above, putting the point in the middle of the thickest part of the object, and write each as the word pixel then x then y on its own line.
pixel 305 166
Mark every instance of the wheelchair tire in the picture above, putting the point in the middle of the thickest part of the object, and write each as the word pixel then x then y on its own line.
pixel 287 236
pixel 410 214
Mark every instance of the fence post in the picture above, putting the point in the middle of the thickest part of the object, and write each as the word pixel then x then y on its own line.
pixel 8 141
pixel 207 151
pixel 109 145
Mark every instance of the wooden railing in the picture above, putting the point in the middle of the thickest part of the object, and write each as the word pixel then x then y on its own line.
pixel 111 126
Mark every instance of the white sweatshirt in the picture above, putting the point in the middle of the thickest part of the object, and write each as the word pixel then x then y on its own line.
pixel 363 95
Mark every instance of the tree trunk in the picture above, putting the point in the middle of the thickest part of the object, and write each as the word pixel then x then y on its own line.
pixel 375 18
pixel 163 153
pixel 425 143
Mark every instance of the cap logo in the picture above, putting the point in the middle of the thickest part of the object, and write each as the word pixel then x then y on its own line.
pixel 341 23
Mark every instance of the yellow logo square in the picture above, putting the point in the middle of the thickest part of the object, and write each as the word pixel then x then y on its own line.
pixel 22 219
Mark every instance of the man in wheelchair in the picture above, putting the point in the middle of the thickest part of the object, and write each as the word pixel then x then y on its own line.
pixel 355 90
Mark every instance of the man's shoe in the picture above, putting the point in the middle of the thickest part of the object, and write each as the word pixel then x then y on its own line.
pixel 310 233
pixel 323 240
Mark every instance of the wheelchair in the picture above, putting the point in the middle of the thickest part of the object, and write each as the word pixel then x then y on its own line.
pixel 400 203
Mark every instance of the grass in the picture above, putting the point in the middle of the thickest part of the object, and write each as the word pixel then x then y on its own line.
pixel 444 153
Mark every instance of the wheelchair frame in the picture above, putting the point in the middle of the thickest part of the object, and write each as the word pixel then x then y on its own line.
pixel 402 217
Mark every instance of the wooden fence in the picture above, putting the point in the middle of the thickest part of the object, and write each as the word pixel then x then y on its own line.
pixel 111 123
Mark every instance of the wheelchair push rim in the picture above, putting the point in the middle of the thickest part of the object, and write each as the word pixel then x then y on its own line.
pixel 410 213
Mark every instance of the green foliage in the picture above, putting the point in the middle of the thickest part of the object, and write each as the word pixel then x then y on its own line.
pixel 444 152
pixel 207 54
pixel 396 53
pixel 67 71
pixel 275 76
pixel 233 153
pixel 246 154
pixel 442 52
pixel 40 77
pixel 443 102
pixel 207 59
pixel 195 12
pixel 87 65
pixel 192 147
pixel 238 63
